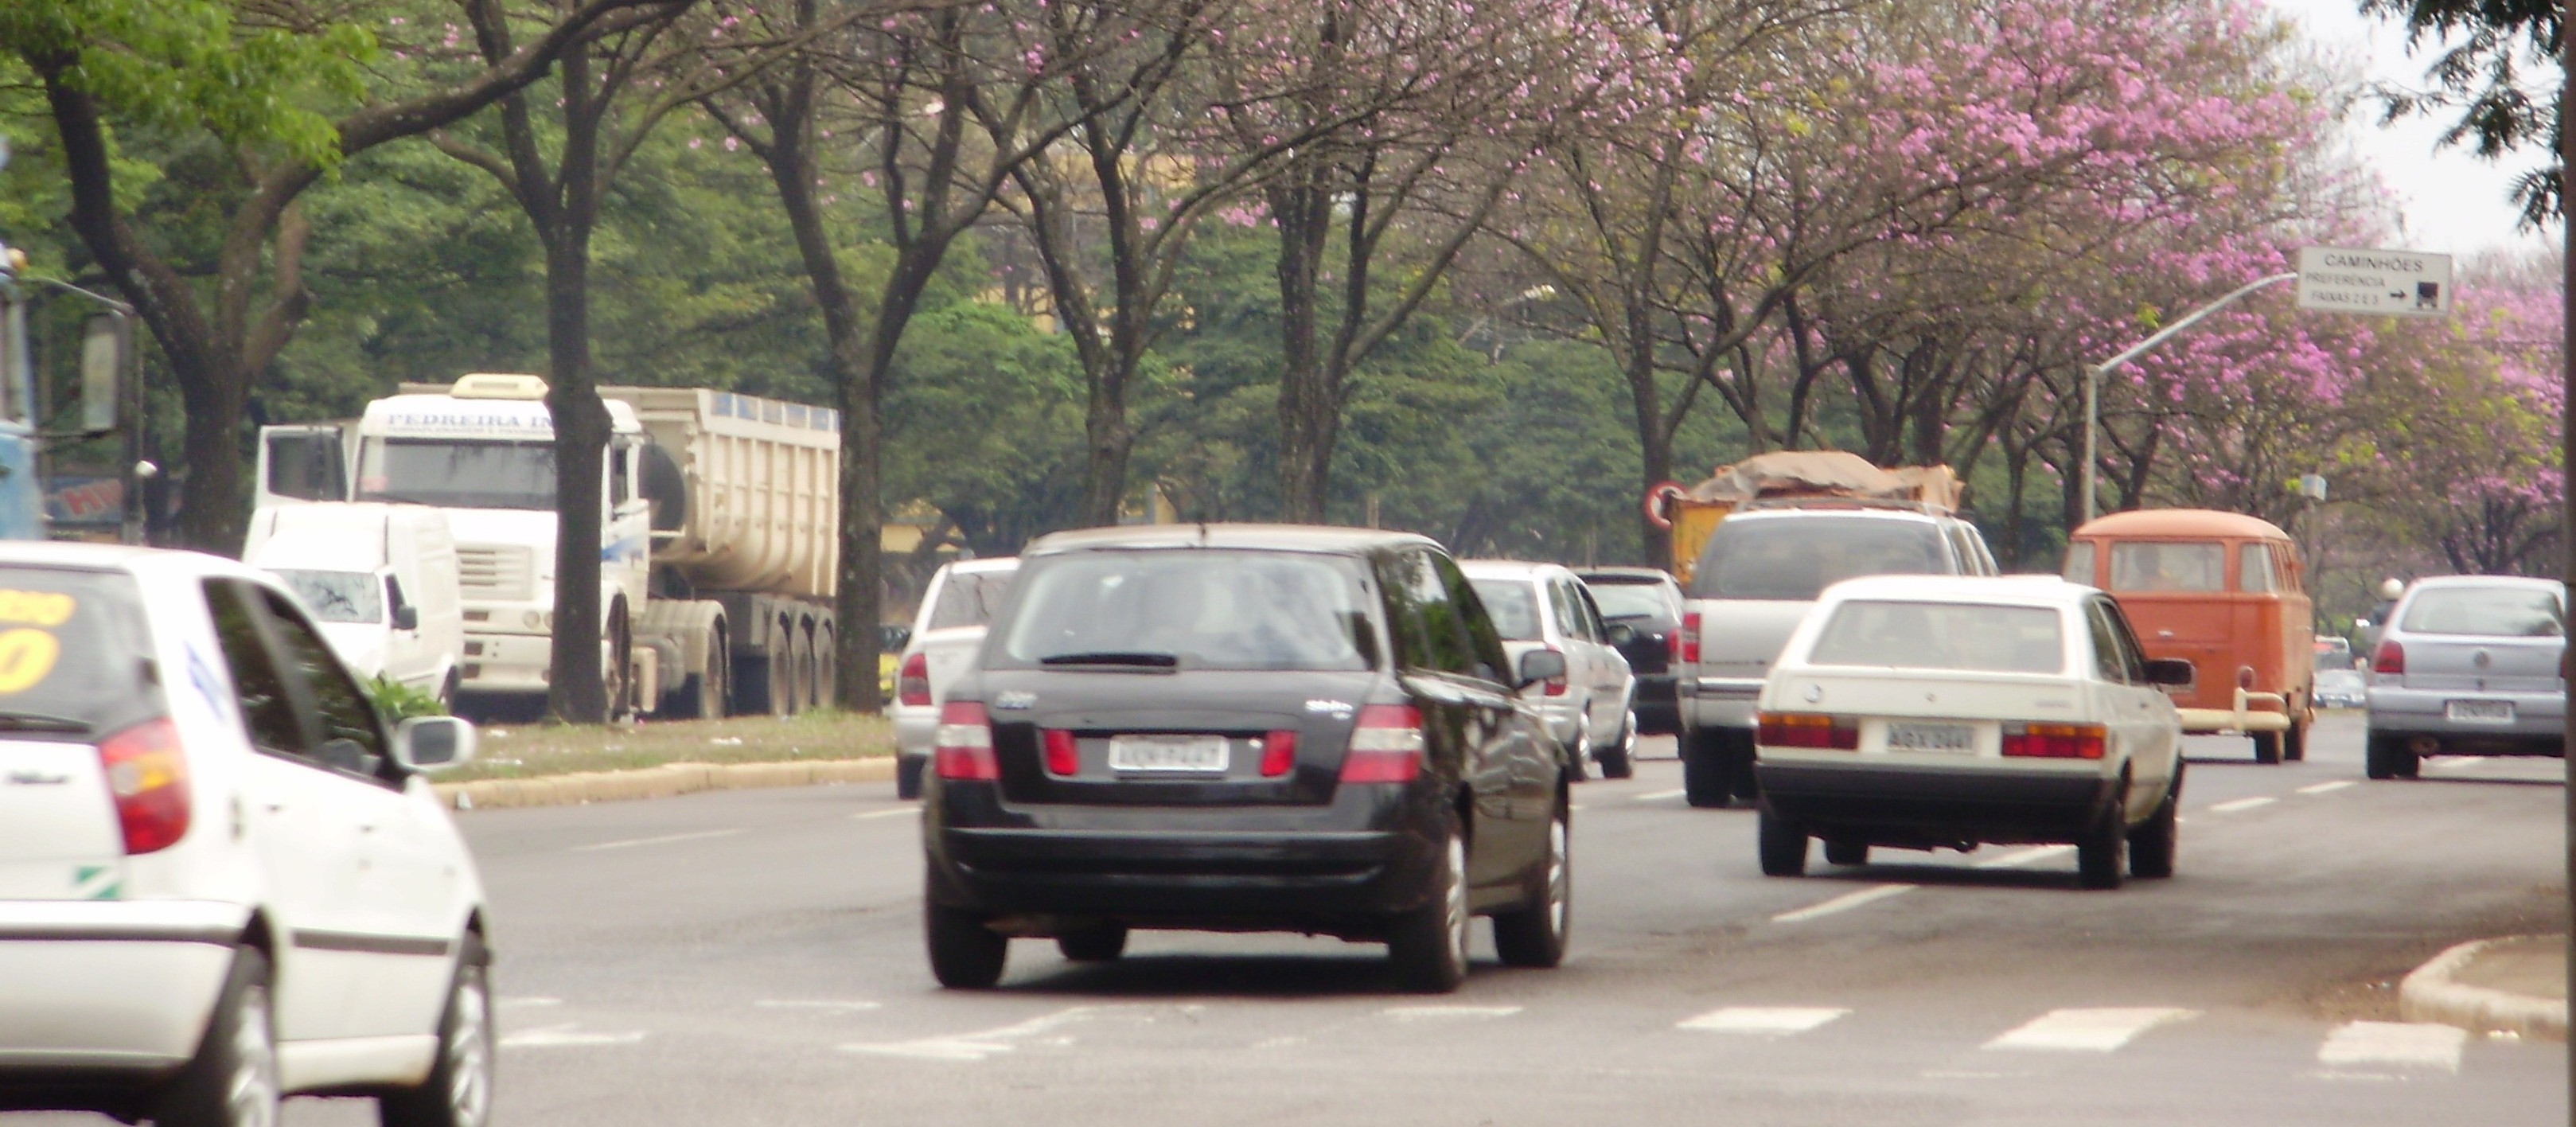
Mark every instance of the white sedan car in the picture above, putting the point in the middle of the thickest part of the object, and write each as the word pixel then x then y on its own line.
pixel 222 877
pixel 1924 712
pixel 956 605
pixel 1592 710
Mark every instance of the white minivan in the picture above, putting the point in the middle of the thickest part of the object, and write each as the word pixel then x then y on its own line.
pixel 379 579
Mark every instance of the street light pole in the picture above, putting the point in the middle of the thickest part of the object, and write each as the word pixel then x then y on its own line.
pixel 2093 375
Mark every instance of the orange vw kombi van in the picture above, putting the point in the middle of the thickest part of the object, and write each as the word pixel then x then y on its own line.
pixel 2225 592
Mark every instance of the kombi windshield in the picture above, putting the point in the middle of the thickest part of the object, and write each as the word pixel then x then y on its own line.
pixel 1794 558
pixel 1190 609
pixel 458 473
pixel 336 596
pixel 1947 636
pixel 2169 566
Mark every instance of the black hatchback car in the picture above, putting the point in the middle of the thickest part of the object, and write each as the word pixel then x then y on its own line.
pixel 1244 728
pixel 1649 603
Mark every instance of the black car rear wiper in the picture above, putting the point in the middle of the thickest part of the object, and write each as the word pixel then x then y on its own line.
pixel 41 722
pixel 1114 657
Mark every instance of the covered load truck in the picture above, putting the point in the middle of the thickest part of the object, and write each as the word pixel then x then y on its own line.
pixel 719 533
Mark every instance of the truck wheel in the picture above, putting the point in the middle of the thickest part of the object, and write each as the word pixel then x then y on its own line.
pixel 233 1080
pixel 1705 781
pixel 1782 845
pixel 781 681
pixel 827 665
pixel 703 695
pixel 617 668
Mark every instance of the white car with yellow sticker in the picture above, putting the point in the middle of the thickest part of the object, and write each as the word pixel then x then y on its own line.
pixel 1929 712
pixel 222 877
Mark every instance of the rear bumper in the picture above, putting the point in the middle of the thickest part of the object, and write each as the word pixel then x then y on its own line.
pixel 107 987
pixel 2425 712
pixel 1318 875
pixel 1718 702
pixel 1925 806
pixel 915 729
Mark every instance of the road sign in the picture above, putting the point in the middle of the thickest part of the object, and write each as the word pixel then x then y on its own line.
pixel 2392 283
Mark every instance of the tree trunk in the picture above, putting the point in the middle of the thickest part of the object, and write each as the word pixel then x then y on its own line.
pixel 575 692
pixel 1309 407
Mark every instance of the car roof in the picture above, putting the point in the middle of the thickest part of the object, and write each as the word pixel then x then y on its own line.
pixel 1960 589
pixel 1509 569
pixel 2181 523
pixel 124 557
pixel 1260 537
pixel 2483 581
pixel 1825 510
pixel 983 564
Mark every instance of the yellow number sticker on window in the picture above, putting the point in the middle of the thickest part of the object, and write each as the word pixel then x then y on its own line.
pixel 36 608
pixel 25 657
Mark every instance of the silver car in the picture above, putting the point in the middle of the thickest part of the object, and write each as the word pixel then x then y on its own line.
pixel 955 607
pixel 2469 665
pixel 1592 709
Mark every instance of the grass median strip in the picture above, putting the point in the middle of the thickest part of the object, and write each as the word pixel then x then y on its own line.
pixel 527 751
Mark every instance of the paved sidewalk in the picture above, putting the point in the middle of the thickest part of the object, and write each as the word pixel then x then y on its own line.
pixel 2515 983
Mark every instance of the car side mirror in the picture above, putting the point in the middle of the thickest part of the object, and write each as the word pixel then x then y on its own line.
pixel 407 617
pixel 1622 634
pixel 2169 671
pixel 1539 665
pixel 433 743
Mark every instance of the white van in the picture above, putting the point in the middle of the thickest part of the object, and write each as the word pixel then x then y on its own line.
pixel 380 580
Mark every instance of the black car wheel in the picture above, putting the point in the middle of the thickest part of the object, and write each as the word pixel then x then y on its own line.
pixel 1619 760
pixel 1707 770
pixel 2102 854
pixel 233 1080
pixel 1844 851
pixel 908 770
pixel 1428 945
pixel 1101 944
pixel 458 1092
pixel 964 954
pixel 1535 936
pixel 1782 845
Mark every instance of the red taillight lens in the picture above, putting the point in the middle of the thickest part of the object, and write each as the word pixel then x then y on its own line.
pixel 965 750
pixel 2391 658
pixel 2053 741
pixel 1278 753
pixel 1063 753
pixel 912 684
pixel 147 771
pixel 1686 644
pixel 1556 684
pixel 1386 745
pixel 1806 729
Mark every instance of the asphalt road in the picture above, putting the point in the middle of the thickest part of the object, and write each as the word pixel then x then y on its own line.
pixel 754 957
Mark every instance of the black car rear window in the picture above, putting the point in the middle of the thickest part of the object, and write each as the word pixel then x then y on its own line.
pixel 73 647
pixel 1620 599
pixel 1189 609
pixel 2486 612
pixel 1795 558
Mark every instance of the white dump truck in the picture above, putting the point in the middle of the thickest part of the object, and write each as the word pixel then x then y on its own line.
pixel 719 533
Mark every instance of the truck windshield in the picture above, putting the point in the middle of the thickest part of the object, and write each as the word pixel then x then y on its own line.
pixel 458 473
pixel 336 596
pixel 1792 558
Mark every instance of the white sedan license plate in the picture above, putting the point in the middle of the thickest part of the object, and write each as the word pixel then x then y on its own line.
pixel 1168 754
pixel 1931 737
pixel 2479 711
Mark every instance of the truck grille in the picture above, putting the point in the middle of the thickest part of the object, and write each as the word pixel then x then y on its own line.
pixel 495 571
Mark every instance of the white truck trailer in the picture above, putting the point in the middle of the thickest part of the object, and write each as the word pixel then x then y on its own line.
pixel 719 532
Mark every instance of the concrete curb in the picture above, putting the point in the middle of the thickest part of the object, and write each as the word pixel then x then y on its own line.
pixel 2430 994
pixel 659 782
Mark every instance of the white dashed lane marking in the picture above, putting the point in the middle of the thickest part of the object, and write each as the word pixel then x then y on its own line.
pixel 1448 1013
pixel 1658 796
pixel 825 1005
pixel 1844 902
pixel 2086 1031
pixel 2365 1045
pixel 978 1045
pixel 897 812
pixel 665 839
pixel 1768 1021
pixel 569 1035
pixel 2321 788
pixel 2234 805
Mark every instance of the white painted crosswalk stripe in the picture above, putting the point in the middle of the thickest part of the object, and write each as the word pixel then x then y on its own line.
pixel 2367 1046
pixel 2086 1031
pixel 1773 1021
